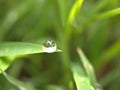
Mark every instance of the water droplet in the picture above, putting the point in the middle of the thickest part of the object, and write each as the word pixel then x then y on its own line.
pixel 49 46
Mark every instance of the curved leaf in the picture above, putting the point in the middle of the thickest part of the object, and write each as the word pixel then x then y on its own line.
pixel 19 48
pixel 109 14
pixel 88 68
pixel 4 63
pixel 9 51
pixel 76 7
pixel 80 77
pixel 20 85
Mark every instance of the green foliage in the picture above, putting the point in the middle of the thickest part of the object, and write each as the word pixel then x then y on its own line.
pixel 12 50
pixel 18 84
pixel 88 69
pixel 92 25
pixel 84 76
pixel 81 80
pixel 20 48
pixel 109 14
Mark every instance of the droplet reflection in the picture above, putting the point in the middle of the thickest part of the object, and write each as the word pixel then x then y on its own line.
pixel 49 46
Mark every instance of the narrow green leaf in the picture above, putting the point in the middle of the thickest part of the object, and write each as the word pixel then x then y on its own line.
pixel 20 48
pixel 5 62
pixel 88 68
pixel 80 77
pixel 77 5
pixel 109 54
pixel 112 51
pixel 100 5
pixel 17 83
pixel 109 14
pixel 9 51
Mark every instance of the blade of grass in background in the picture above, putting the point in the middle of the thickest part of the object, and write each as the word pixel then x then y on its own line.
pixel 108 14
pixel 108 55
pixel 97 39
pixel 17 83
pixel 5 62
pixel 80 77
pixel 88 68
pixel 65 35
pixel 99 6
pixel 75 9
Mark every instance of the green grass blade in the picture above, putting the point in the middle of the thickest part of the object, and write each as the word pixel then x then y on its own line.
pixel 20 48
pixel 99 6
pixel 88 68
pixel 77 5
pixel 109 14
pixel 5 62
pixel 9 51
pixel 108 55
pixel 17 83
pixel 80 77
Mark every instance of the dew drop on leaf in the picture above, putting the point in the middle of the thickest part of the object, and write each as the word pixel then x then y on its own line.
pixel 49 46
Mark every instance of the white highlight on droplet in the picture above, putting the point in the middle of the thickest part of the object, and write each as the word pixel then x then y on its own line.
pixel 49 46
pixel 50 49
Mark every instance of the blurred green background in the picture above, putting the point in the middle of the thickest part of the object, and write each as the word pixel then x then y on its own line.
pixel 94 27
